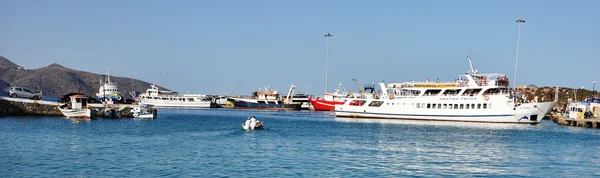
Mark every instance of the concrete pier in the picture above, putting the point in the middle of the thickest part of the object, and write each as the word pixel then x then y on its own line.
pixel 588 122
pixel 27 107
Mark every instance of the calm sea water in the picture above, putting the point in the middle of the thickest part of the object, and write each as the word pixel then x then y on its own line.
pixel 211 143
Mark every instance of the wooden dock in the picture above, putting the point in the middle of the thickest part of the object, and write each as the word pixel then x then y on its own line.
pixel 588 122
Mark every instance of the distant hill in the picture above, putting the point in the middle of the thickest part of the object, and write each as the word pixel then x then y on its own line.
pixel 564 94
pixel 55 80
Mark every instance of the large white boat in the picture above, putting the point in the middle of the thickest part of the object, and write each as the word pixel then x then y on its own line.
pixel 108 90
pixel 473 97
pixel 170 99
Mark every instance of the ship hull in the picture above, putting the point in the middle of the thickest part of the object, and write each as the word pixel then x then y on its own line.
pixel 528 113
pixel 84 113
pixel 324 105
pixel 255 104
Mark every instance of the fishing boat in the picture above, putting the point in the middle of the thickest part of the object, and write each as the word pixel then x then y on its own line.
pixel 474 97
pixel 303 100
pixel 108 91
pixel 144 111
pixel 329 100
pixel 74 105
pixel 267 100
pixel 169 99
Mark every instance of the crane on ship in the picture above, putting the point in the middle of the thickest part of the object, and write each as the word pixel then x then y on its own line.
pixel 360 90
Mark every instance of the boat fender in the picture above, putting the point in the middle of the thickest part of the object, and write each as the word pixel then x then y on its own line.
pixel 486 97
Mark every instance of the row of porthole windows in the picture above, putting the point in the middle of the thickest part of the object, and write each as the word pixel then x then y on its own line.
pixel 454 106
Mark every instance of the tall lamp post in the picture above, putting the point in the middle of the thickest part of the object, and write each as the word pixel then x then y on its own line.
pixel 582 92
pixel 327 37
pixel 594 88
pixel 104 88
pixel 520 21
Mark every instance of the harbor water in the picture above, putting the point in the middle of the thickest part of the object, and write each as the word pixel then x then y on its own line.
pixel 211 143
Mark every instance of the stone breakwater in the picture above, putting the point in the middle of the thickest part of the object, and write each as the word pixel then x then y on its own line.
pixel 26 107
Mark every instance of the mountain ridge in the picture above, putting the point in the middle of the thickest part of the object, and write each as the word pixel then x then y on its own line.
pixel 55 80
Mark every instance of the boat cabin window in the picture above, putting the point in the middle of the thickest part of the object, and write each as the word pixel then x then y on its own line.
pixel 445 106
pixel 174 99
pixel 478 106
pixel 433 106
pixel 455 106
pixel 376 103
pixel 484 105
pixel 467 106
pixel 439 106
pixel 156 98
pixel 451 92
pixel 462 106
pixel 405 92
pixel 432 92
pixel 357 102
pixel 190 99
pixel 497 91
pixel 471 92
pixel 165 98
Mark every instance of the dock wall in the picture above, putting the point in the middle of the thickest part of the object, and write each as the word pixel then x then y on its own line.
pixel 27 107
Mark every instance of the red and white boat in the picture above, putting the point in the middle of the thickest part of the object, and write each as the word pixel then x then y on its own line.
pixel 329 100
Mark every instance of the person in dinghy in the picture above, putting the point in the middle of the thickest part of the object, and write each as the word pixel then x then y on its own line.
pixel 251 124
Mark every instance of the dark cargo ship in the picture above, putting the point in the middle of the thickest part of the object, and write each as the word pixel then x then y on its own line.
pixel 267 100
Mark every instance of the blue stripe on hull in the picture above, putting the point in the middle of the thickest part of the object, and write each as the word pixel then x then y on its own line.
pixel 426 115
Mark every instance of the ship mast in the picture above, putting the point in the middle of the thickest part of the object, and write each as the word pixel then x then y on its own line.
pixel 471 64
pixel 107 76
pixel 327 37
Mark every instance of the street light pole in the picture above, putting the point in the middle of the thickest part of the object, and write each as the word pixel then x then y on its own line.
pixel 594 88
pixel 104 88
pixel 582 93
pixel 520 21
pixel 327 37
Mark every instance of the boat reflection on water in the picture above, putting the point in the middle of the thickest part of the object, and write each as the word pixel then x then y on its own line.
pixel 436 123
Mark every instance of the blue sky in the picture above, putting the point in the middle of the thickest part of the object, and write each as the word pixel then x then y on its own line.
pixel 238 46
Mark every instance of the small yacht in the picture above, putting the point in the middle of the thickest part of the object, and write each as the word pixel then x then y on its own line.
pixel 144 111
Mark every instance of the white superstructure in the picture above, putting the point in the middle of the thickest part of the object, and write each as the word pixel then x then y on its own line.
pixel 473 97
pixel 162 99
pixel 108 89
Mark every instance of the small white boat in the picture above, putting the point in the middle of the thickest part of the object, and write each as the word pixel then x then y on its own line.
pixel 76 107
pixel 253 126
pixel 144 111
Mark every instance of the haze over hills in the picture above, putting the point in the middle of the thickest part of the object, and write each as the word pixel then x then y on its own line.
pixel 55 80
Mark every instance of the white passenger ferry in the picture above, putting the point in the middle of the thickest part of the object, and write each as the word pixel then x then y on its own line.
pixel 170 99
pixel 473 97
